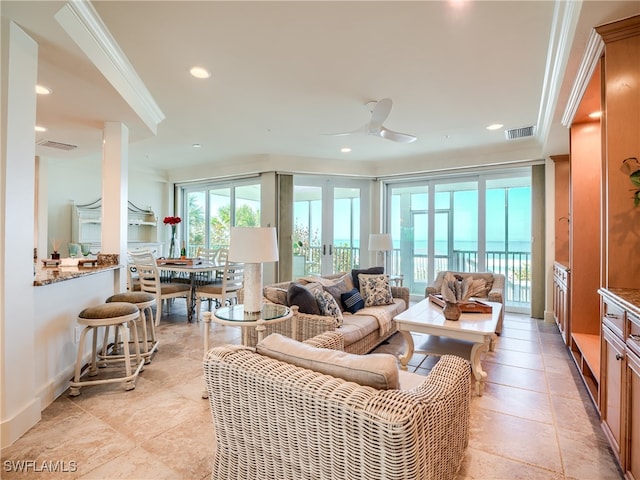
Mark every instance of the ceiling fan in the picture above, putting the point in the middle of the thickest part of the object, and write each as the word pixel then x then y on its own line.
pixel 379 112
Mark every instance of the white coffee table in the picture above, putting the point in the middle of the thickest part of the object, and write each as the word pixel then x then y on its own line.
pixel 467 337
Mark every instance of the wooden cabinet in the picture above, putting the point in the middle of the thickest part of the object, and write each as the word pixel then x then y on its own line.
pixel 86 227
pixel 561 299
pixel 620 381
pixel 632 456
pixel 613 371
pixel 603 233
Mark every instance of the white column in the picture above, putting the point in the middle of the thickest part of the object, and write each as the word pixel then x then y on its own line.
pixel 18 398
pixel 115 186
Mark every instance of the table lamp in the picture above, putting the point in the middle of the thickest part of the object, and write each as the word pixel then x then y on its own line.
pixel 380 242
pixel 253 246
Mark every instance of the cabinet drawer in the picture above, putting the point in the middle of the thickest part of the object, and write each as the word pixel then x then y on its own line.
pixel 614 317
pixel 633 339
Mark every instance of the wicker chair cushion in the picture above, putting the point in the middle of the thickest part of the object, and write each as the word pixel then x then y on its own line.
pixel 378 370
pixel 303 298
pixel 375 290
pixel 366 271
pixel 108 310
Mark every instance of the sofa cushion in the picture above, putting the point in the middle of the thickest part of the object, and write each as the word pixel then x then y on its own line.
pixel 303 298
pixel 352 301
pixel 367 271
pixel 375 290
pixel 329 306
pixel 377 370
pixel 336 290
pixel 355 327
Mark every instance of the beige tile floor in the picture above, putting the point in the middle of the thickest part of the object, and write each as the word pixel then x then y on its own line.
pixel 534 421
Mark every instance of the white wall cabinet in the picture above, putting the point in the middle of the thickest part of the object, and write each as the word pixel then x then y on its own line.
pixel 142 230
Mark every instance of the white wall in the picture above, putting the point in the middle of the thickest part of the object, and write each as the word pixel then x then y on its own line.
pixel 79 182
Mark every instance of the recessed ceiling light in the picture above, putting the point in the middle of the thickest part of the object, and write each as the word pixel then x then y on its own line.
pixel 199 72
pixel 495 126
pixel 345 149
pixel 40 129
pixel 196 145
pixel 595 114
pixel 42 90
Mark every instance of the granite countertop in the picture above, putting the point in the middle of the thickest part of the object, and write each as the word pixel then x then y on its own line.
pixel 48 275
pixel 629 298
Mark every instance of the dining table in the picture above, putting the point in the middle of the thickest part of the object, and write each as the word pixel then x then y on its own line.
pixel 193 268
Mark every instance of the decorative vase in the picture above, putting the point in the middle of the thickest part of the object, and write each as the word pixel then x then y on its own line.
pixel 451 311
pixel 55 256
pixel 172 245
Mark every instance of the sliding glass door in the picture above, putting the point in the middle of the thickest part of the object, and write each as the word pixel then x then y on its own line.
pixel 468 223
pixel 327 225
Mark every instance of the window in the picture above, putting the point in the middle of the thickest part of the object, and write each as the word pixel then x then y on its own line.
pixel 211 210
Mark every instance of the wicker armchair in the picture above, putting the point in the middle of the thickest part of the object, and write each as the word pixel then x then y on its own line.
pixel 495 294
pixel 273 420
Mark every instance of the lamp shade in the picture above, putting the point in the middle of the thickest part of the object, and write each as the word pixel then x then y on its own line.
pixel 380 242
pixel 253 245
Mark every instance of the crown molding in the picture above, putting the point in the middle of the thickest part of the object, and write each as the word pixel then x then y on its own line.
pixel 590 59
pixel 81 22
pixel 565 19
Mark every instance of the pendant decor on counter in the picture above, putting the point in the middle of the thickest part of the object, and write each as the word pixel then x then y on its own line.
pixel 173 223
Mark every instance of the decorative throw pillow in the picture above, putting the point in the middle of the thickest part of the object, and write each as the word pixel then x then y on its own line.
pixel 336 290
pixel 328 306
pixel 313 287
pixel 366 271
pixel 375 290
pixel 303 298
pixel 352 301
pixel 275 295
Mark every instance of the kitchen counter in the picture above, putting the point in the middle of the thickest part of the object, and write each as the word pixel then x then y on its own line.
pixel 629 298
pixel 49 275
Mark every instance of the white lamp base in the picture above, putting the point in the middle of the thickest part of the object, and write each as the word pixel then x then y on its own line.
pixel 252 287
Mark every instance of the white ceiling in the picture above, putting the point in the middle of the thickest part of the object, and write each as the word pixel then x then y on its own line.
pixel 286 74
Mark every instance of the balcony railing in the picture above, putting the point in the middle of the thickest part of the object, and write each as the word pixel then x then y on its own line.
pixel 515 266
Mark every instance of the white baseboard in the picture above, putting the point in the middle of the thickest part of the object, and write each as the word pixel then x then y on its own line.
pixel 13 428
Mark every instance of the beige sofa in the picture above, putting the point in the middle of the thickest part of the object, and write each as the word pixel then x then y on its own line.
pixel 275 420
pixel 362 331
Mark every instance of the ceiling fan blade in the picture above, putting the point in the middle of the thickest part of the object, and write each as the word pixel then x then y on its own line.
pixel 379 114
pixel 362 129
pixel 396 136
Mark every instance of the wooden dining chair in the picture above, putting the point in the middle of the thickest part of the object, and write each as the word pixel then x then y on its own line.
pixel 149 279
pixel 226 290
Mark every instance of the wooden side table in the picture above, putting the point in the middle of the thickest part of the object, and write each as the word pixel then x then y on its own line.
pixel 398 280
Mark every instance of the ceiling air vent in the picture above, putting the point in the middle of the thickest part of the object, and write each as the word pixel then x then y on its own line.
pixel 522 132
pixel 58 145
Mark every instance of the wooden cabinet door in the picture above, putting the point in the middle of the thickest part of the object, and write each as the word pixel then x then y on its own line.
pixel 632 463
pixel 613 369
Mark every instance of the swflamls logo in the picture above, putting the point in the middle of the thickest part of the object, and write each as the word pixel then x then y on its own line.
pixel 52 466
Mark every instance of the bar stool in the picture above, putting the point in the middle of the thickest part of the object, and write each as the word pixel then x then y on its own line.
pixel 116 314
pixel 143 301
